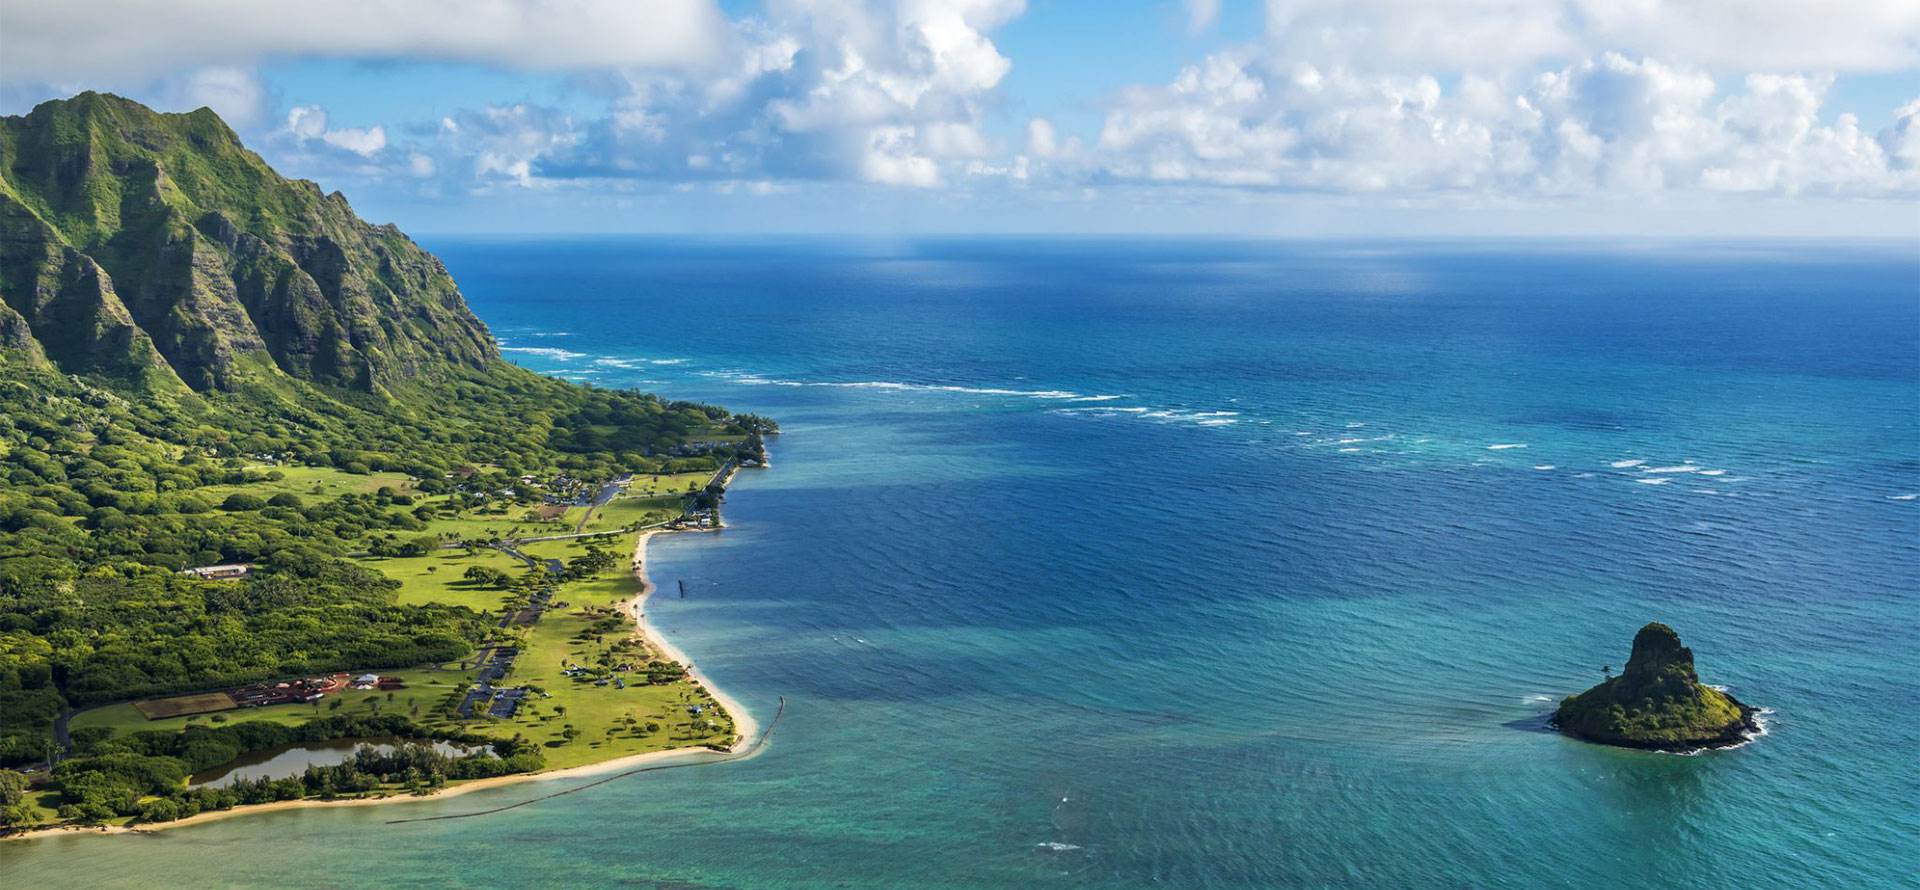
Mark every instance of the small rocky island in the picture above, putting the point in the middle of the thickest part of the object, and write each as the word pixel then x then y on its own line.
pixel 1657 703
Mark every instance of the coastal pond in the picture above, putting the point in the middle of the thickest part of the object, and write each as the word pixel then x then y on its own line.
pixel 291 760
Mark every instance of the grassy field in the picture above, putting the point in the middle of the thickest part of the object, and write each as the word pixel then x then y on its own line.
pixel 435 578
pixel 310 483
pixel 629 511
pixel 514 523
pixel 425 686
pixel 670 483
pixel 643 496
pixel 174 706
pixel 600 713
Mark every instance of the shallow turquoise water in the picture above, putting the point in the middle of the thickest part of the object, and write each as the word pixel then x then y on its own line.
pixel 1154 564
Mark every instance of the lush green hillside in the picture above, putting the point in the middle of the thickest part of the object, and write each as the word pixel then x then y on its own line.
pixel 202 362
pixel 128 232
pixel 1657 702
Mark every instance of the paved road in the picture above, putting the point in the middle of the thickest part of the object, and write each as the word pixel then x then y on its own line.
pixel 607 493
pixel 60 735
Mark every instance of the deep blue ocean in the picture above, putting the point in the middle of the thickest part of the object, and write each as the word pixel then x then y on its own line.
pixel 1167 564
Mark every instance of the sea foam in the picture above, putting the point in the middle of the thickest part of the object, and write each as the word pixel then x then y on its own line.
pixel 550 352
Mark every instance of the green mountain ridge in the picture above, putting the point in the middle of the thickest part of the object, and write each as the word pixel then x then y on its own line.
pixel 156 249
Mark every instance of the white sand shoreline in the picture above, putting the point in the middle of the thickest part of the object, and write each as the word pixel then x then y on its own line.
pixel 746 730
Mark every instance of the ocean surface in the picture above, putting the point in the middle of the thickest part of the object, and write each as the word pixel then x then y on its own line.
pixel 1163 564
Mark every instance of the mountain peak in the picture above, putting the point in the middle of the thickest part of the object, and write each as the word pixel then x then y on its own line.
pixel 213 270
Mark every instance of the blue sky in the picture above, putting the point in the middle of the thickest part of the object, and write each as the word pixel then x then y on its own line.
pixel 1290 117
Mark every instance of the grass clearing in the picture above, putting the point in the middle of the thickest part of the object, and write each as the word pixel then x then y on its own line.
pixel 425 686
pixel 435 578
pixel 667 483
pixel 516 521
pixel 635 511
pixel 310 483
pixel 181 705
pixel 611 721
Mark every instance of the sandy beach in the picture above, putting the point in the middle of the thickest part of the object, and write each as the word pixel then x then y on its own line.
pixel 745 727
pixel 746 730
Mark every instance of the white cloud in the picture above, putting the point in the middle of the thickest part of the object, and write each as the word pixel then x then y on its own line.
pixel 1042 140
pixel 309 123
pixel 1201 14
pixel 236 94
pixel 886 92
pixel 1902 140
pixel 1487 35
pixel 1383 98
pixel 1604 125
pixel 97 39
pixel 501 144
pixel 890 159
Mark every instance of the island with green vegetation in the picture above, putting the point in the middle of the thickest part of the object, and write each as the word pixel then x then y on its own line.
pixel 266 481
pixel 1657 702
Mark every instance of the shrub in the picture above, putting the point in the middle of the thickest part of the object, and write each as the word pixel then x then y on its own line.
pixel 241 501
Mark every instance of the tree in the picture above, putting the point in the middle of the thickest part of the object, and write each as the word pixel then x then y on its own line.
pixel 13 788
pixel 161 810
pixel 241 501
pixel 17 816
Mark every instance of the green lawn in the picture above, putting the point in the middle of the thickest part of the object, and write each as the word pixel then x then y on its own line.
pixel 631 511
pixel 596 709
pixel 513 523
pixel 668 483
pixel 435 578
pixel 303 481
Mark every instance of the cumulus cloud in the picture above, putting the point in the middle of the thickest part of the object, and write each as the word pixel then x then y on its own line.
pixel 1509 98
pixel 97 39
pixel 309 124
pixel 819 89
pixel 499 145
pixel 1480 35
pixel 1545 97
pixel 1901 141
pixel 1606 124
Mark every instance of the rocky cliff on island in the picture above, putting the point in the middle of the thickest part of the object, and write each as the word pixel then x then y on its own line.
pixel 1658 702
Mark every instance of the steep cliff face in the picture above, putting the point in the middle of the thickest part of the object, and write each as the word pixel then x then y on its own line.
pixel 1657 702
pixel 154 247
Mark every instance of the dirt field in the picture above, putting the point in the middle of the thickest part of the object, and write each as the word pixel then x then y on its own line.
pixel 184 704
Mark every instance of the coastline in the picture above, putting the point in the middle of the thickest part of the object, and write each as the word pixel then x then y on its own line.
pixel 746 729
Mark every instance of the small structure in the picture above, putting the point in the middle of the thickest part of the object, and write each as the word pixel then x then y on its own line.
pixel 220 572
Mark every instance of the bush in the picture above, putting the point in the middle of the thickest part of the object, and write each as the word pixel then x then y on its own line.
pixel 241 501
pixel 162 810
pixel 285 499
pixel 13 788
